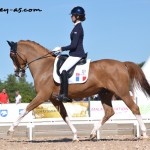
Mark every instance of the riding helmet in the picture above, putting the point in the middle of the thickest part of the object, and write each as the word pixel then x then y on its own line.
pixel 78 11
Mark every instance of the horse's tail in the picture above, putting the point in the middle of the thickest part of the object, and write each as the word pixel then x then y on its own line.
pixel 136 74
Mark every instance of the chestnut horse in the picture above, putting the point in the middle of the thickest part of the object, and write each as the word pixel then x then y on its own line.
pixel 106 77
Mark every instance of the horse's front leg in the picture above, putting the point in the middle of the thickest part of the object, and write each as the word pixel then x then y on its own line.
pixel 73 129
pixel 16 123
pixel 34 103
pixel 62 110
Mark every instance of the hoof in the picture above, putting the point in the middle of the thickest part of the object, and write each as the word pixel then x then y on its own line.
pixel 146 137
pixel 10 133
pixel 75 140
pixel 92 136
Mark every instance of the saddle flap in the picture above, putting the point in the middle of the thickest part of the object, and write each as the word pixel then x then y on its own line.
pixel 77 74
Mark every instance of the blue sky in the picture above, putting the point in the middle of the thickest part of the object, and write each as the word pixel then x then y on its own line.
pixel 114 29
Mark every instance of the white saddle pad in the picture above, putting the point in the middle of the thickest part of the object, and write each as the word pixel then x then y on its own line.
pixel 80 74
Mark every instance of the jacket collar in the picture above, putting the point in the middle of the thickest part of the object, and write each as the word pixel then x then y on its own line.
pixel 77 23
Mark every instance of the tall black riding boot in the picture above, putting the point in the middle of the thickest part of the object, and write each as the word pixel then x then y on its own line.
pixel 64 87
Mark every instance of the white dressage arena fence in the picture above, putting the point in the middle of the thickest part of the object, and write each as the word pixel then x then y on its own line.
pixel 79 113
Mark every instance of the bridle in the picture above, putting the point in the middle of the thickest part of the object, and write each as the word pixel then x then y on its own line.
pixel 20 69
pixel 15 55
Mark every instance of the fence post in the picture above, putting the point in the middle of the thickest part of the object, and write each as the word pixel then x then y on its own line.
pixel 30 127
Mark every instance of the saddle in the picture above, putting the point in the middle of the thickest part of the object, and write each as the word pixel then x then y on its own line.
pixel 62 59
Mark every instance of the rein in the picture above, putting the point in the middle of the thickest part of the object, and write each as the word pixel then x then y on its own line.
pixel 41 57
pixel 27 64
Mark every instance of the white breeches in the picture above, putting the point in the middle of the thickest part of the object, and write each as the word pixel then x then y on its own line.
pixel 69 63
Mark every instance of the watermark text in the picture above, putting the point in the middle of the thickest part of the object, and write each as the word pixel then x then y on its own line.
pixel 19 10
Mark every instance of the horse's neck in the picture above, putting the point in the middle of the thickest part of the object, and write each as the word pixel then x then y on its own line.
pixel 39 67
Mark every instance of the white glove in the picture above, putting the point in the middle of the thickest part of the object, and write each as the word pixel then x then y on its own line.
pixel 57 49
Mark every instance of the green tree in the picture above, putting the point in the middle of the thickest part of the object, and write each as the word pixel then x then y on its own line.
pixel 26 89
pixel 12 84
pixel 1 84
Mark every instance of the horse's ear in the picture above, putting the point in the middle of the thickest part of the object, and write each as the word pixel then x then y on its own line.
pixel 9 43
pixel 13 46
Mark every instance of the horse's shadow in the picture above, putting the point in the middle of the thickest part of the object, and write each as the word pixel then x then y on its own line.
pixel 117 139
pixel 62 140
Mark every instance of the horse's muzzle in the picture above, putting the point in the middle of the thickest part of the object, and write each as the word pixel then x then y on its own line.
pixel 20 73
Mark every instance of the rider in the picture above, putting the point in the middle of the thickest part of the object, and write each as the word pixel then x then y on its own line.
pixel 76 50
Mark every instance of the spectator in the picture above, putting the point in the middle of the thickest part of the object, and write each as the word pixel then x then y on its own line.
pixel 4 99
pixel 18 98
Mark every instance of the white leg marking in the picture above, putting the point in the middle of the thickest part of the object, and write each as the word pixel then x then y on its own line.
pixel 73 129
pixel 142 125
pixel 97 126
pixel 24 112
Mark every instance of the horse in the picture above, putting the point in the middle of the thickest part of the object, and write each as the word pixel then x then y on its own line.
pixel 107 77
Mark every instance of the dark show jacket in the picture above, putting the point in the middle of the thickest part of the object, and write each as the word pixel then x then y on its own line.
pixel 76 46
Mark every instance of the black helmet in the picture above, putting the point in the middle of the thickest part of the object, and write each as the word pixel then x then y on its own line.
pixel 78 11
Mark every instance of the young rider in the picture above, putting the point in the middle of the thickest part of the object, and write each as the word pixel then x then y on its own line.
pixel 76 50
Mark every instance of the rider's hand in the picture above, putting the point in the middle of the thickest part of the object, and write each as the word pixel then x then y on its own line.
pixel 57 49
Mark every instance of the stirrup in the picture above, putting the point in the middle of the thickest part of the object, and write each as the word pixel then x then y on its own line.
pixel 63 98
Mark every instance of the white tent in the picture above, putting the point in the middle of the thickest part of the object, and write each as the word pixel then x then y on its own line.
pixel 139 95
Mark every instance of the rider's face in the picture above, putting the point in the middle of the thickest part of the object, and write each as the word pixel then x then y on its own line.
pixel 73 18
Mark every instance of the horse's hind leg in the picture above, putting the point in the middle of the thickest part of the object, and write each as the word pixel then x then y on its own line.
pixel 105 98
pixel 62 110
pixel 136 111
